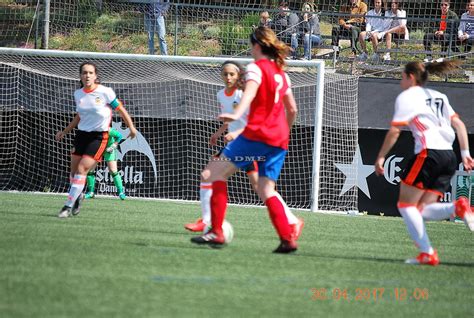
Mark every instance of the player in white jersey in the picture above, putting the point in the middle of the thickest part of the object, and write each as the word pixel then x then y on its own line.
pixel 94 105
pixel 228 98
pixel 431 119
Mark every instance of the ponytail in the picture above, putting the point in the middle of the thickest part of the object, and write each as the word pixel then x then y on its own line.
pixel 421 71
pixel 271 46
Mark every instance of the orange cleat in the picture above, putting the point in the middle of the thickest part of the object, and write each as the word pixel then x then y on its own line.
pixel 425 259
pixel 296 229
pixel 199 226
pixel 463 210
pixel 211 238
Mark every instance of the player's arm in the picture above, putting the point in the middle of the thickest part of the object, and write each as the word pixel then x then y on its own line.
pixel 390 139
pixel 73 124
pixel 251 88
pixel 233 134
pixel 126 118
pixel 290 106
pixel 215 136
pixel 461 133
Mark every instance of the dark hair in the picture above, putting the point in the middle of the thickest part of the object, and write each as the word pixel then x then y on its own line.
pixel 97 81
pixel 241 81
pixel 421 71
pixel 271 46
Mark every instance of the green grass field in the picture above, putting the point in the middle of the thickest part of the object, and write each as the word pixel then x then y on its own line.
pixel 134 259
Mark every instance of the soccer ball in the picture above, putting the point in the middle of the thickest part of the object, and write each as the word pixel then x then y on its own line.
pixel 226 228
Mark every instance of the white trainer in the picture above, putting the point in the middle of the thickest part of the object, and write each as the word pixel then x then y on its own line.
pixel 65 212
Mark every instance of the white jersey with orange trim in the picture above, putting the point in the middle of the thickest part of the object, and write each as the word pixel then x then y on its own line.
pixel 95 108
pixel 228 103
pixel 427 113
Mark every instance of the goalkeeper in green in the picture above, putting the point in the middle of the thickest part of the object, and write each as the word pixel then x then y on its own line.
pixel 110 157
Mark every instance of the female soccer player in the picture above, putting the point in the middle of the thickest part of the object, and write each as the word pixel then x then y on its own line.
pixel 94 105
pixel 232 75
pixel 265 138
pixel 110 157
pixel 430 118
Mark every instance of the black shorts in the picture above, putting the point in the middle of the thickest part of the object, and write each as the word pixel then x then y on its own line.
pixel 91 144
pixel 431 170
pixel 252 167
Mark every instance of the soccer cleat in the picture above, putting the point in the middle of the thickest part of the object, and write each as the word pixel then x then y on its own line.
pixel 65 212
pixel 122 195
pixel 386 57
pixel 76 208
pixel 199 226
pixel 210 238
pixel 463 210
pixel 89 195
pixel 296 229
pixel 286 247
pixel 424 259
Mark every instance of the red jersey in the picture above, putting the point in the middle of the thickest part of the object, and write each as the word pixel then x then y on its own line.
pixel 267 118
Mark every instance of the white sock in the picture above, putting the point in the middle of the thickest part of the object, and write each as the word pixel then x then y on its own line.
pixel 292 219
pixel 416 227
pixel 437 211
pixel 77 185
pixel 205 194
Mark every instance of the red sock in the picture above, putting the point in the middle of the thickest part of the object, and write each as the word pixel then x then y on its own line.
pixel 278 217
pixel 218 205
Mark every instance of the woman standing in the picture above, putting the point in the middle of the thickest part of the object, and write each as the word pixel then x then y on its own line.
pixel 94 105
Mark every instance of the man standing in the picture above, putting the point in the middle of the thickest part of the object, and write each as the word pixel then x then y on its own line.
pixel 155 22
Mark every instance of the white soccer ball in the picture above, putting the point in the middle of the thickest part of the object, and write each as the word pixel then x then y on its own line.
pixel 226 228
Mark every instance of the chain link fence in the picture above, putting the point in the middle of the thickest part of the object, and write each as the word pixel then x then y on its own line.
pixel 222 28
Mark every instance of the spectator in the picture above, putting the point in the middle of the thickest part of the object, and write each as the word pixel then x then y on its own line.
pixel 443 33
pixel 374 28
pixel 155 22
pixel 310 28
pixel 466 28
pixel 352 26
pixel 265 19
pixel 398 26
pixel 285 26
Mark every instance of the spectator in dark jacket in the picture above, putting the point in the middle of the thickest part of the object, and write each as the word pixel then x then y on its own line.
pixel 444 31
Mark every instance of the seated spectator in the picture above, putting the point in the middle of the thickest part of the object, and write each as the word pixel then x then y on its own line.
pixel 444 32
pixel 351 26
pixel 374 28
pixel 265 19
pixel 310 29
pixel 285 26
pixel 398 26
pixel 466 28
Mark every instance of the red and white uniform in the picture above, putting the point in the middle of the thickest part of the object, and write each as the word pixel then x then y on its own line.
pixel 427 113
pixel 267 118
pixel 227 103
pixel 95 108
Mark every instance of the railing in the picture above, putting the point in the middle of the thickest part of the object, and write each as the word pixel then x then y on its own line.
pixel 197 29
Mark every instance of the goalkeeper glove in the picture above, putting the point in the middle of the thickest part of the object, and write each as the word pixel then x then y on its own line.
pixel 111 148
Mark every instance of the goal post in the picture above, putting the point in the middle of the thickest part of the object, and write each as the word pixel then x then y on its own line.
pixel 172 100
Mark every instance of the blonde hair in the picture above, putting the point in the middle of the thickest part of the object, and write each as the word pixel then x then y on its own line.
pixel 271 46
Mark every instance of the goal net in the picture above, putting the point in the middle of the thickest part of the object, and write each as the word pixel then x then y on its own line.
pixel 173 103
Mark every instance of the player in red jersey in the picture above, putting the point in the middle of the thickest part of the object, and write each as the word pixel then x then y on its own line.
pixel 265 138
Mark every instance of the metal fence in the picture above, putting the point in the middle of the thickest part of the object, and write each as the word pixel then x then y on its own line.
pixel 217 28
